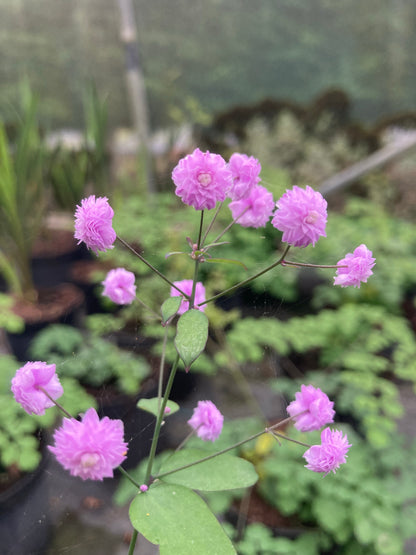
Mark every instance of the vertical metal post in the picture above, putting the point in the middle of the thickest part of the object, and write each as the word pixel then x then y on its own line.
pixel 135 85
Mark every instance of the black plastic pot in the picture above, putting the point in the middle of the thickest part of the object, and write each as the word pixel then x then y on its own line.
pixel 25 526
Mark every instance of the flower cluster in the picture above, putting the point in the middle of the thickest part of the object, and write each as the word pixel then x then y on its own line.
pixel 91 448
pixel 311 410
pixel 207 421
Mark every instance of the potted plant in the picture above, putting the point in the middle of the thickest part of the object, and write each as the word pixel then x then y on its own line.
pixel 23 201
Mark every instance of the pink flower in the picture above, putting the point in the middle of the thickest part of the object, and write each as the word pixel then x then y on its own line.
pixel 330 454
pixel 92 448
pixel 207 421
pixel 254 210
pixel 301 215
pixel 318 409
pixel 119 286
pixel 93 224
pixel 27 382
pixel 358 268
pixel 202 179
pixel 186 286
pixel 245 171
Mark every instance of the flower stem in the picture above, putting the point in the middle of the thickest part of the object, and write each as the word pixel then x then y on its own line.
pixel 234 446
pixel 248 280
pixel 211 224
pixel 305 265
pixel 155 314
pixel 218 237
pixel 60 407
pixel 159 420
pixel 133 542
pixel 127 475
pixel 161 369
pixel 192 299
pixel 155 270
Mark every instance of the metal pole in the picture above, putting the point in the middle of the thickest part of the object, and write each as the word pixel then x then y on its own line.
pixel 135 85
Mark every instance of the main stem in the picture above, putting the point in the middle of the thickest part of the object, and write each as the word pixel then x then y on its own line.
pixel 199 245
pixel 159 420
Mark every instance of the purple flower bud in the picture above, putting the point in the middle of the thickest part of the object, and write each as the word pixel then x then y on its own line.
pixel 207 421
pixel 119 286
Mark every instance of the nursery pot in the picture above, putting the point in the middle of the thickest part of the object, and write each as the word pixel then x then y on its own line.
pixel 24 513
pixel 60 304
pixel 53 255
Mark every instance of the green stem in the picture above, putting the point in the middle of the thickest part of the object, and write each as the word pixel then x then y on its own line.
pixel 127 475
pixel 60 407
pixel 192 299
pixel 133 542
pixel 230 225
pixel 211 224
pixel 148 308
pixel 159 420
pixel 155 270
pixel 248 280
pixel 234 446
pixel 161 369
pixel 305 265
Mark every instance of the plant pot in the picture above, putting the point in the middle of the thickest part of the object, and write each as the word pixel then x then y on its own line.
pixel 53 255
pixel 60 304
pixel 24 513
pixel 83 275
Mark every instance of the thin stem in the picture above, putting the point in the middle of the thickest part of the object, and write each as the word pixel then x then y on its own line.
pixel 60 407
pixel 148 308
pixel 161 370
pixel 184 441
pixel 229 225
pixel 155 270
pixel 159 420
pixel 248 280
pixel 211 224
pixel 234 446
pixel 287 438
pixel 305 265
pixel 127 475
pixel 198 246
pixel 133 542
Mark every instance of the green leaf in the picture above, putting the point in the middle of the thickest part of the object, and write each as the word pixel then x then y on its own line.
pixel 179 521
pixel 191 336
pixel 220 473
pixel 152 406
pixel 169 308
